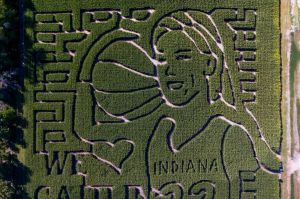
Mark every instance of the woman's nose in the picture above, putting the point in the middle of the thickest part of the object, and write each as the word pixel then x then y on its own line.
pixel 170 71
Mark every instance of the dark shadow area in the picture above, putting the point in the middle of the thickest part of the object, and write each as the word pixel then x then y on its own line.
pixel 17 66
pixel 12 169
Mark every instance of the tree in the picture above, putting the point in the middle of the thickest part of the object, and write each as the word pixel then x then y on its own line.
pixel 6 190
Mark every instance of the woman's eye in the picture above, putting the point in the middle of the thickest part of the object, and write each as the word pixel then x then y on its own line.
pixel 183 57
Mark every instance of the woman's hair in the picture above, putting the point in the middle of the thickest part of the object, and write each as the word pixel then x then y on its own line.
pixel 197 25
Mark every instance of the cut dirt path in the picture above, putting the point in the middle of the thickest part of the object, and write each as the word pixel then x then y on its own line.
pixel 285 55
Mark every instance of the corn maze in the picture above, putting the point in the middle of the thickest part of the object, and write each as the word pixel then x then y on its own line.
pixel 153 99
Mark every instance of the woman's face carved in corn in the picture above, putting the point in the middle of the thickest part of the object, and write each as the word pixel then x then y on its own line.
pixel 182 72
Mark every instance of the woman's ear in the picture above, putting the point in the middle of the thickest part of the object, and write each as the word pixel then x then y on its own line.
pixel 211 65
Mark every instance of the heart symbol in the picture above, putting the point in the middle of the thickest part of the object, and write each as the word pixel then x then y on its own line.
pixel 114 153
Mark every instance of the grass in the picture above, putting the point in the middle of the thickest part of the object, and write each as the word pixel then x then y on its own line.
pixel 295 57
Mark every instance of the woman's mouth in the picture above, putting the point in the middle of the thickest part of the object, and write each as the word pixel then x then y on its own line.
pixel 175 85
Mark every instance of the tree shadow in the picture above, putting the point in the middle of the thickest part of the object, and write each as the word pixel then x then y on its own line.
pixel 11 168
pixel 17 173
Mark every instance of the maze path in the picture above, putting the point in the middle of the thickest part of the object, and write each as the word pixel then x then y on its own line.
pixel 154 100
